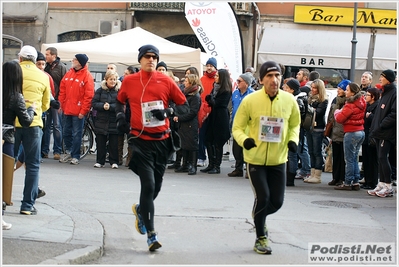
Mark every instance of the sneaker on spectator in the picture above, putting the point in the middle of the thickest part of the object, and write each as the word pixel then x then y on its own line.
pixel 57 156
pixel 375 190
pixel 6 226
pixel 98 165
pixel 32 211
pixel 201 163
pixel 300 175
pixel 40 193
pixel 66 158
pixel 114 166
pixel 385 192
pixel 140 227
pixel 153 242
pixel 75 161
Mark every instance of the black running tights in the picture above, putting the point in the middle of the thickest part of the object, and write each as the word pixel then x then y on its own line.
pixel 268 183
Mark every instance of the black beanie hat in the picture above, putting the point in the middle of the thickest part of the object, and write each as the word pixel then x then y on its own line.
pixel 40 56
pixel 148 49
pixel 82 59
pixel 389 75
pixel 294 85
pixel 163 64
pixel 267 67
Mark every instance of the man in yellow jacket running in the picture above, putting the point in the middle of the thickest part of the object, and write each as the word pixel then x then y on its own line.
pixel 266 125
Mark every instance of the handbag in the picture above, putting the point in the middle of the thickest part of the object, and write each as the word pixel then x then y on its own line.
pixel 327 131
pixel 310 118
pixel 176 140
pixel 203 113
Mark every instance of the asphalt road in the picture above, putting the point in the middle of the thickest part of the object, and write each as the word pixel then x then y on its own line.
pixel 202 219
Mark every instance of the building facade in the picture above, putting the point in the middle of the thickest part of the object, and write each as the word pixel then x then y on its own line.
pixel 270 31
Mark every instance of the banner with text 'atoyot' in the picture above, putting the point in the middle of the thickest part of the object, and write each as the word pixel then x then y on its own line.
pixel 216 27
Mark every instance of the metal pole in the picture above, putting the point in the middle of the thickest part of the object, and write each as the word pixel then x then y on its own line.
pixel 354 41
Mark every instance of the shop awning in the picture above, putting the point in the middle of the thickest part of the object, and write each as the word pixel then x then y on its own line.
pixel 311 46
pixel 385 52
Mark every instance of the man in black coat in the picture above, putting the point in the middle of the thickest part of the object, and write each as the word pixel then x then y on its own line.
pixel 383 132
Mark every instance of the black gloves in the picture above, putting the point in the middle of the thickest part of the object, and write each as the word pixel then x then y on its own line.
pixel 55 104
pixel 161 114
pixel 121 123
pixel 210 100
pixel 249 143
pixel 292 146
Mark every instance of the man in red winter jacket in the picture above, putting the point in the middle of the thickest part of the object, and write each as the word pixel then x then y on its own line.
pixel 76 93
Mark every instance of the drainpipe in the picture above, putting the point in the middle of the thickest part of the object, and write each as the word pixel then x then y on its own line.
pixel 354 41
pixel 256 29
pixel 370 64
pixel 45 23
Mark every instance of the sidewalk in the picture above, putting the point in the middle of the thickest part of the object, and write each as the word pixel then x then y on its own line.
pixel 53 237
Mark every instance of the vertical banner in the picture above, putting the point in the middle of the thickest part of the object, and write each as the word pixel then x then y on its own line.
pixel 216 27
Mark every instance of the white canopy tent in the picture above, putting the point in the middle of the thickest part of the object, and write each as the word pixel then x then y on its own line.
pixel 122 48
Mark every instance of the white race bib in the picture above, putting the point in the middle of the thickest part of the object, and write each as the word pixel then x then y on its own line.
pixel 270 129
pixel 148 119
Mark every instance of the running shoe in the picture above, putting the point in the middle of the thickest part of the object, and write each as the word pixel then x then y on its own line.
pixel 153 242
pixel 140 227
pixel 262 245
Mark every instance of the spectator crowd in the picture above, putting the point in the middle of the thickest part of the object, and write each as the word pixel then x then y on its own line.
pixel 265 117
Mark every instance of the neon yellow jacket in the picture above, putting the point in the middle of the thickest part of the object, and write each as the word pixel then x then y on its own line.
pixel 258 104
pixel 35 89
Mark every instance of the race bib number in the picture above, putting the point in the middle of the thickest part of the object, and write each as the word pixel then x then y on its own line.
pixel 148 119
pixel 270 129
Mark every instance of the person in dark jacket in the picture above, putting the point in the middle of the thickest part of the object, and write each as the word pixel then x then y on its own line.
pixel 104 102
pixel 56 69
pixel 14 104
pixel 318 101
pixel 292 87
pixel 369 153
pixel 383 132
pixel 366 81
pixel 337 136
pixel 218 131
pixel 188 125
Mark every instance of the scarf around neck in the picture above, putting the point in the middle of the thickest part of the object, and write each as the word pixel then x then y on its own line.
pixel 191 90
pixel 210 75
pixel 216 88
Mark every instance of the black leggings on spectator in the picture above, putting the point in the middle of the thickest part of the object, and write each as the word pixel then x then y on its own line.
pixel 268 183
pixel 384 167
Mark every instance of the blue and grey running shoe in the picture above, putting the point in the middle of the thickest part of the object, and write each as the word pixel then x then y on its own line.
pixel 140 227
pixel 153 242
